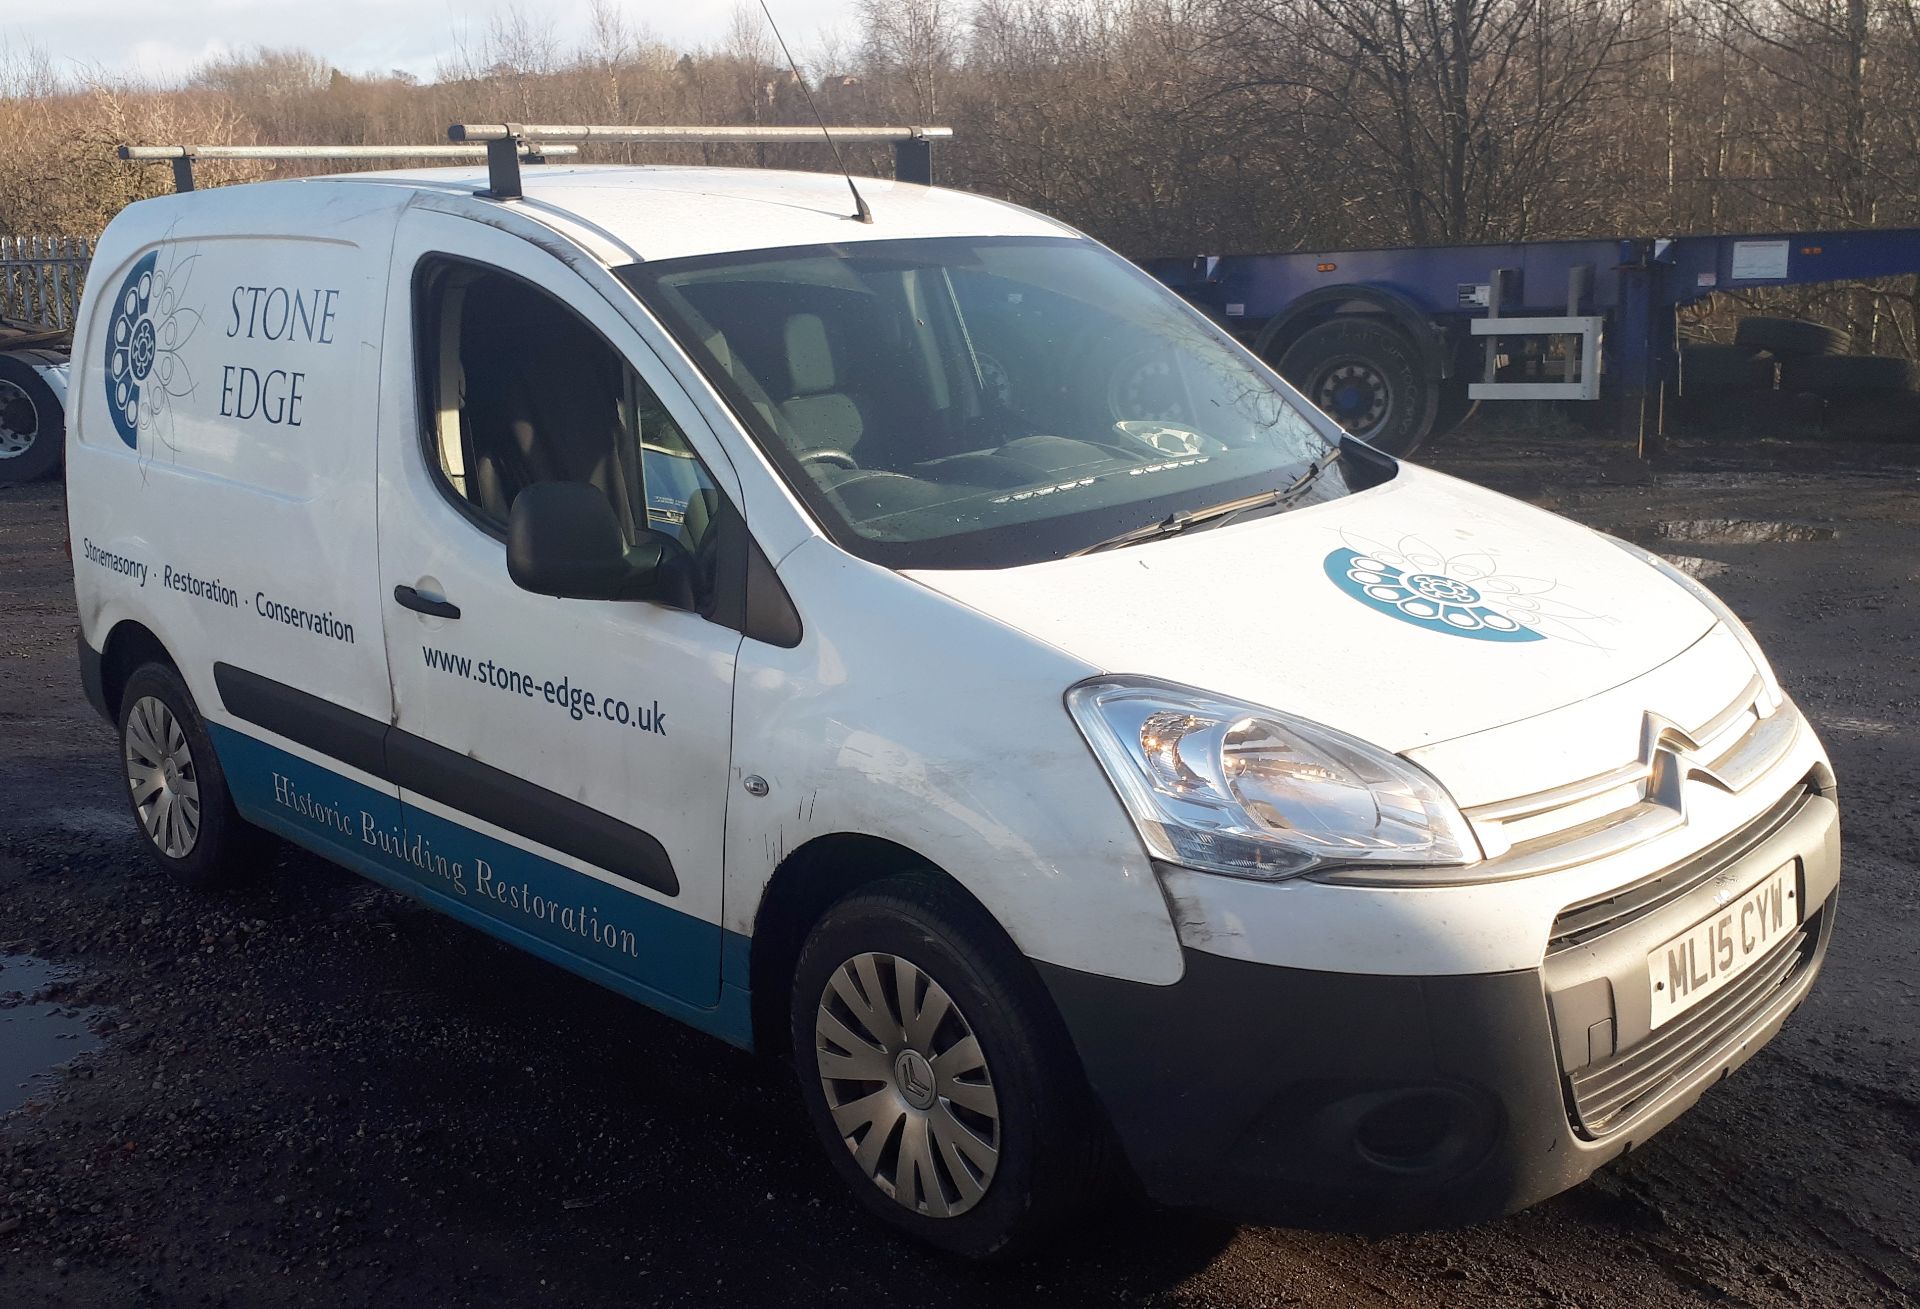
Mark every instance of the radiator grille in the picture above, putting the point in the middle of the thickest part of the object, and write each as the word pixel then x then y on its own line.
pixel 1583 922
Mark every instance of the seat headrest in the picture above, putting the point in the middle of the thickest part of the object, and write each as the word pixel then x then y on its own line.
pixel 809 356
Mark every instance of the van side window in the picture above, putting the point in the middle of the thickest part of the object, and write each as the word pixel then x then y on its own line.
pixel 521 390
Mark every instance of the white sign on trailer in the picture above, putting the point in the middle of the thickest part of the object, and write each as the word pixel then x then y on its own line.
pixel 1759 261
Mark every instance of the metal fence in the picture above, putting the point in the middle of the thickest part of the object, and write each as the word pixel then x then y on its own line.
pixel 40 280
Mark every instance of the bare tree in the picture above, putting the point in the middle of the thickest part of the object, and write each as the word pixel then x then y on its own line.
pixel 1463 114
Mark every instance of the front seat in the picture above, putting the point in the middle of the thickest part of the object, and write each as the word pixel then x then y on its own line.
pixel 818 414
pixel 543 404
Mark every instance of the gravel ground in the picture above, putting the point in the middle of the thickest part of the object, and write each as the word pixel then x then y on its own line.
pixel 314 1092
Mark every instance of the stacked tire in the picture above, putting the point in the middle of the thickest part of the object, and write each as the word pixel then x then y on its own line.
pixel 1851 395
pixel 1727 389
pixel 1733 387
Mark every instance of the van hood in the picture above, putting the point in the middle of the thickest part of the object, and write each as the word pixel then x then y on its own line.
pixel 1415 612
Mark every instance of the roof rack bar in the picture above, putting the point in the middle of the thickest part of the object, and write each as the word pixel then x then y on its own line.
pixel 912 146
pixel 182 156
pixel 684 135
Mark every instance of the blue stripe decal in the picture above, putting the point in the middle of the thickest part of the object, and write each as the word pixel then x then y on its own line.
pixel 666 959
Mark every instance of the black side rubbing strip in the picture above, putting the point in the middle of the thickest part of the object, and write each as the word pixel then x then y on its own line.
pixel 318 724
pixel 533 811
pixel 451 778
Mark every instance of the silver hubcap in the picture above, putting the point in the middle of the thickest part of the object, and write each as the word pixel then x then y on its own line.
pixel 166 787
pixel 908 1085
pixel 19 421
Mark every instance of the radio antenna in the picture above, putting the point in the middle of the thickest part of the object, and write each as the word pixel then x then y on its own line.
pixel 860 210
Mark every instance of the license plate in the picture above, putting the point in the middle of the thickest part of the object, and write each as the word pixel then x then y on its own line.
pixel 1715 950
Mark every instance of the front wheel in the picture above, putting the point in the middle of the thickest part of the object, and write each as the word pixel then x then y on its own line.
pixel 935 1073
pixel 1368 378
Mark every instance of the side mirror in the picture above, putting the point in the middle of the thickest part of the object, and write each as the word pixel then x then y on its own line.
pixel 563 540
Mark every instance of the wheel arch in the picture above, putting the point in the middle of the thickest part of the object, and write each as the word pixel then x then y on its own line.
pixel 130 644
pixel 1329 302
pixel 807 883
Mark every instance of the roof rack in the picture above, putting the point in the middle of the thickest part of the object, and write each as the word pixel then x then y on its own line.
pixel 182 156
pixel 507 142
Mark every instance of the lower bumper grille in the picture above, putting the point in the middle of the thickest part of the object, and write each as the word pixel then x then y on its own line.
pixel 1608 1094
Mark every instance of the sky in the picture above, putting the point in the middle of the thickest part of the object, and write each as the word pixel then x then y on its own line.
pixel 167 38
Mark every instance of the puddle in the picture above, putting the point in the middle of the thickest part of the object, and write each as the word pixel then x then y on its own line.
pixel 1738 531
pixel 37 1036
pixel 1700 570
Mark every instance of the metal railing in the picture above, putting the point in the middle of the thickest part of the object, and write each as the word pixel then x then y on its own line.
pixel 40 280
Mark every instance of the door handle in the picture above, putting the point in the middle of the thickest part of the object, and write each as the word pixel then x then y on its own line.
pixel 421 604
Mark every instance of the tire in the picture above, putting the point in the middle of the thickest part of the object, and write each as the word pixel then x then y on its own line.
pixel 1014 1130
pixel 33 427
pixel 1790 338
pixel 1837 375
pixel 1708 368
pixel 1367 377
pixel 171 769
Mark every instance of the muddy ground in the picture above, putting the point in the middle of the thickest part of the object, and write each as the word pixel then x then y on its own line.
pixel 313 1092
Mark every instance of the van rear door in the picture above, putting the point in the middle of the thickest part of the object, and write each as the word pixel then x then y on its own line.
pixel 570 756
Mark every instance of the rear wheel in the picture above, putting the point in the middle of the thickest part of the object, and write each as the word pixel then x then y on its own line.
pixel 32 426
pixel 1367 377
pixel 935 1074
pixel 180 801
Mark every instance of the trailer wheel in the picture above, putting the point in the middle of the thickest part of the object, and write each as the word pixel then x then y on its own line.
pixel 1790 338
pixel 33 427
pixel 1368 378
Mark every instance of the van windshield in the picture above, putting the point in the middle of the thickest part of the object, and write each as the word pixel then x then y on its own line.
pixel 983 402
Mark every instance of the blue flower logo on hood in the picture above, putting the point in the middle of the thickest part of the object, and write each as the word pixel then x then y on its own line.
pixel 1466 595
pixel 144 371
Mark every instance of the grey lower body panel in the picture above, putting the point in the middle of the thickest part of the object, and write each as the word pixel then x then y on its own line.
pixel 1374 1102
pixel 91 681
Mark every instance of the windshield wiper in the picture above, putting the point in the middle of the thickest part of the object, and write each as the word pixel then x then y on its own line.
pixel 1217 514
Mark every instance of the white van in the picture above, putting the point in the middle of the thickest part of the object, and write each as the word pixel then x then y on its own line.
pixel 929 648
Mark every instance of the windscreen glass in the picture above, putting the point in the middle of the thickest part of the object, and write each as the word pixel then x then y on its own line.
pixel 982 402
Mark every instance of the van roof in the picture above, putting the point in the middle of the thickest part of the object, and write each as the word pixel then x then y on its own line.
pixel 653 211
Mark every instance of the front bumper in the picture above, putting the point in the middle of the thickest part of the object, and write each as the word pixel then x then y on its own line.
pixel 1318 1098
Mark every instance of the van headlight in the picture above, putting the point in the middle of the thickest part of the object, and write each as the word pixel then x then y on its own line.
pixel 1771 696
pixel 1229 787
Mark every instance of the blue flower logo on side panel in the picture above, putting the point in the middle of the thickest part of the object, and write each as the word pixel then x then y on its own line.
pixel 144 371
pixel 1434 600
pixel 130 350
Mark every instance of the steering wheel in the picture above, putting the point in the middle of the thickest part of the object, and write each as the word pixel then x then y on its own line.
pixel 1146 384
pixel 828 455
